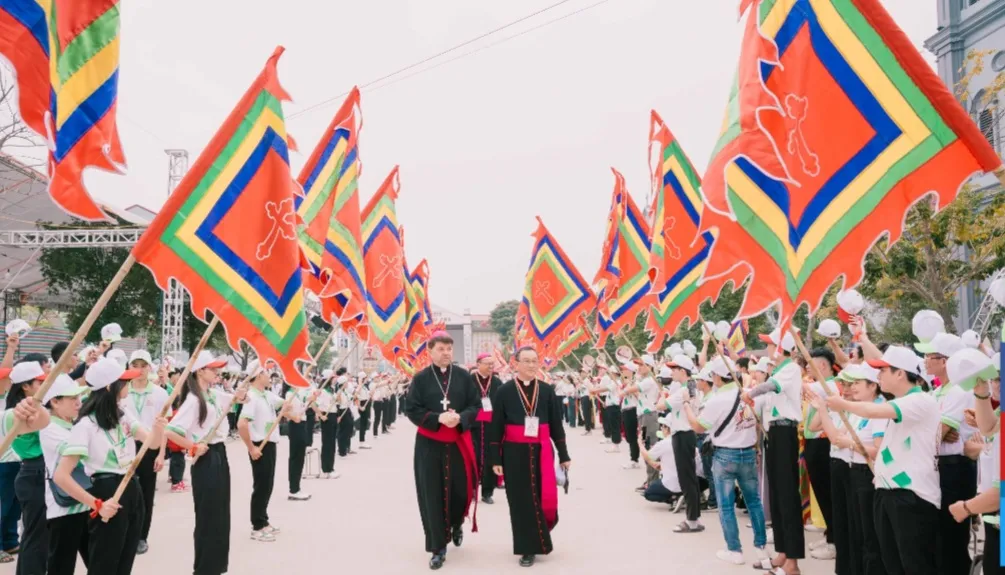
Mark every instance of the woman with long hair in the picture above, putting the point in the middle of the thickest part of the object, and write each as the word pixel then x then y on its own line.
pixel 254 425
pixel 102 439
pixel 202 405
pixel 329 426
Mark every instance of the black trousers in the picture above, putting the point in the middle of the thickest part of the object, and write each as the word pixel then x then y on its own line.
pixel 378 412
pixel 480 439
pixel 344 431
pixel 586 410
pixel 684 443
pixel 148 485
pixel 862 523
pixel 958 480
pixel 817 454
pixel 299 433
pixel 612 424
pixel 364 421
pixel 848 560
pixel 906 527
pixel 29 486
pixel 263 476
pixel 211 496
pixel 68 537
pixel 176 469
pixel 389 411
pixel 329 433
pixel 992 550
pixel 631 423
pixel 111 547
pixel 782 464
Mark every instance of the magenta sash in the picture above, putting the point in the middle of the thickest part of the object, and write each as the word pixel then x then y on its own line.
pixel 463 440
pixel 484 416
pixel 549 487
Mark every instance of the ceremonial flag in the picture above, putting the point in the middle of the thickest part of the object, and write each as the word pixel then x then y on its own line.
pixel 66 59
pixel 228 232
pixel 577 336
pixel 835 127
pixel 415 328
pixel 383 262
pixel 419 278
pixel 330 234
pixel 631 293
pixel 555 295
pixel 679 253
pixel 607 277
pixel 737 339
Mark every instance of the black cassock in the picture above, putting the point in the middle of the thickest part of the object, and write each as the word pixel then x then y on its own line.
pixel 480 432
pixel 521 462
pixel 440 465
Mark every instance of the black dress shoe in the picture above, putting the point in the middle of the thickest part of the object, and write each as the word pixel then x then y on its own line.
pixel 458 536
pixel 437 560
pixel 527 561
pixel 487 500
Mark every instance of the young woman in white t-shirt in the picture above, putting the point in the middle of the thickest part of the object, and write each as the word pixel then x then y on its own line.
pixel 254 425
pixel 852 487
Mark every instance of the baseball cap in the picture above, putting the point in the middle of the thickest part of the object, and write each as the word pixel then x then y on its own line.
pixel 763 365
pixel 786 342
pixel 342 380
pixel 829 329
pixel 327 374
pixel 898 357
pixel 142 355
pixel 630 366
pixel 361 375
pixel 119 356
pixel 674 349
pixel 971 339
pixel 688 348
pixel 683 362
pixel 704 374
pixel 665 372
pixel 850 303
pixel 722 366
pixel 855 372
pixel 111 333
pixel 107 371
pixel 926 324
pixel 648 360
pixel 63 386
pixel 27 371
pixel 254 369
pixel 664 420
pixel 17 326
pixel 205 360
pixel 82 356
pixel 968 365
pixel 944 344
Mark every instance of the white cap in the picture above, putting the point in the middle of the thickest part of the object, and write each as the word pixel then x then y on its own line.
pixel 107 371
pixel 722 366
pixel 704 374
pixel 648 360
pixel 361 375
pixel 26 371
pixel 786 342
pixel 850 301
pixel 342 380
pixel 855 372
pixel 997 291
pixel 17 326
pixel 141 354
pixel 205 359
pixel 119 356
pixel 326 374
pixel 900 358
pixel 763 365
pixel 664 420
pixel 665 372
pixel 682 361
pixel 722 330
pixel 829 329
pixel 710 326
pixel 111 333
pixel 254 369
pixel 63 386
pixel 971 339
pixel 688 348
pixel 944 344
pixel 82 356
pixel 926 324
pixel 630 366
pixel 674 349
pixel 968 365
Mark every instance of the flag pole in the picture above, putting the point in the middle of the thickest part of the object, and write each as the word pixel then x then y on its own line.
pixel 167 405
pixel 71 348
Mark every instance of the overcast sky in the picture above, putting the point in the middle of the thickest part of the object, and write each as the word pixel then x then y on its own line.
pixel 528 127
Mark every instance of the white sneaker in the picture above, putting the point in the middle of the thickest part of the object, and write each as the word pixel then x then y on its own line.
pixel 613 449
pixel 817 544
pixel 825 553
pixel 364 446
pixel 771 536
pixel 604 441
pixel 734 557
pixel 761 554
pixel 324 476
pixel 262 536
pixel 813 528
pixel 271 529
pixel 299 496
pixel 334 475
pixel 631 465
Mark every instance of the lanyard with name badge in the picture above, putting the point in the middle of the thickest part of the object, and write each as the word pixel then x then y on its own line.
pixel 530 422
pixel 486 400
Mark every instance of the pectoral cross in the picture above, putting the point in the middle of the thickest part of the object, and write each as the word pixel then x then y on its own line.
pixel 284 224
pixel 445 403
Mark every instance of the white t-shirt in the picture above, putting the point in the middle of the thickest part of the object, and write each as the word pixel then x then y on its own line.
pixel 103 451
pixel 678 418
pixel 867 430
pixel 145 405
pixel 53 439
pixel 629 401
pixel 260 412
pixel 663 452
pixel 298 402
pixel 787 400
pixel 649 392
pixel 364 393
pixel 952 402
pixel 906 457
pixel 326 400
pixel 811 411
pixel 610 391
pixel 186 421
pixel 741 432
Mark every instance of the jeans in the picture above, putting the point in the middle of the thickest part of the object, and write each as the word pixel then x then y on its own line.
pixel 570 412
pixel 176 469
pixel 10 508
pixel 706 464
pixel 731 467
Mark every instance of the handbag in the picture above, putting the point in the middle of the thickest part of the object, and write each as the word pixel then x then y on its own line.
pixel 707 449
pixel 62 498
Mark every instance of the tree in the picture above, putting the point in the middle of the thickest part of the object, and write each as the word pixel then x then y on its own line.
pixel 503 319
pixel 318 337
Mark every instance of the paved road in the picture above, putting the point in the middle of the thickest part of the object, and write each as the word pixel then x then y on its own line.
pixel 367 522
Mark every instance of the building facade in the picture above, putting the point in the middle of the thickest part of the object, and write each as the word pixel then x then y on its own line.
pixel 965 26
pixel 471 332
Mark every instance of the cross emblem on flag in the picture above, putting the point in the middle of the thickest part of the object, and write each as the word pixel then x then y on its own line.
pixel 284 225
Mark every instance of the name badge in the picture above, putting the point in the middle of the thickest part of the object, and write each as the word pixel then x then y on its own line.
pixel 530 426
pixel 486 404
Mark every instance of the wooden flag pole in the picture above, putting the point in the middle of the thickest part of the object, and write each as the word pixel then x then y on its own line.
pixel 823 384
pixel 245 384
pixel 167 405
pixel 737 375
pixel 71 348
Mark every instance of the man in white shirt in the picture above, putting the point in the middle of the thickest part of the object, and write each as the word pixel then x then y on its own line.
pixel 663 457
pixel 685 444
pixel 611 419
pixel 628 395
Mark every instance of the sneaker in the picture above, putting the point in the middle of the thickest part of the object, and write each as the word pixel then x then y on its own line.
pixel 817 544
pixel 825 553
pixel 734 557
pixel 271 529
pixel 631 465
pixel 178 488
pixel 263 536
pixel 298 496
pixel 334 475
pixel 605 441
pixel 324 476
pixel 142 547
pixel 613 449
pixel 364 446
pixel 678 504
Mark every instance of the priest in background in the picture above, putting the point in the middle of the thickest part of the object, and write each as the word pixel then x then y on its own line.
pixel 527 418
pixel 443 402
pixel 487 385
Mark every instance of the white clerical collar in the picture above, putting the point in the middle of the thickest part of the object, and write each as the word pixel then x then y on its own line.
pixel 526 383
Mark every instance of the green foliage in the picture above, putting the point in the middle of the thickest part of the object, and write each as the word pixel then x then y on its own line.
pixel 502 319
pixel 317 338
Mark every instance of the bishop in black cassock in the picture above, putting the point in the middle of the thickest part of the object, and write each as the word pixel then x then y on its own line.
pixel 528 462
pixel 487 386
pixel 445 471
